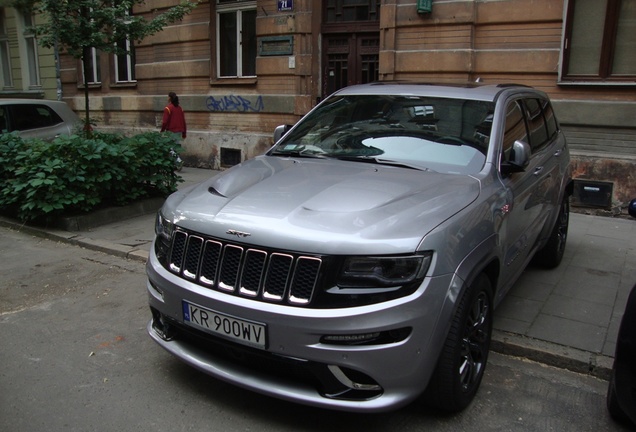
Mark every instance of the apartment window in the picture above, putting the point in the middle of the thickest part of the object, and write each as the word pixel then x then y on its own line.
pixel 31 46
pixel 92 74
pixel 125 63
pixel 125 60
pixel 600 39
pixel 5 53
pixel 351 10
pixel 236 38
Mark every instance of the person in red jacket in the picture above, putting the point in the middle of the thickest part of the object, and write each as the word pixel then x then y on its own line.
pixel 174 122
pixel 173 117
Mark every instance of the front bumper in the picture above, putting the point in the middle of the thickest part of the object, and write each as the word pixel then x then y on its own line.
pixel 297 364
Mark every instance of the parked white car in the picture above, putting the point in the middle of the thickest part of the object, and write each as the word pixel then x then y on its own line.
pixel 37 118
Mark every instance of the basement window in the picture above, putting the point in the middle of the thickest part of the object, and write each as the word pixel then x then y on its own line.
pixel 230 157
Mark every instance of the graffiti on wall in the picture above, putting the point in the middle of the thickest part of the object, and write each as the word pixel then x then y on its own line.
pixel 234 103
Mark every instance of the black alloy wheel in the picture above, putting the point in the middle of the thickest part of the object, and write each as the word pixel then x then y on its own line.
pixel 475 343
pixel 462 362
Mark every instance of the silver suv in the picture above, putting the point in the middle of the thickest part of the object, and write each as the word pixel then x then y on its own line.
pixel 356 265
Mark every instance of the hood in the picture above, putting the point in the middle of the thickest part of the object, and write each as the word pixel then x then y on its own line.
pixel 322 206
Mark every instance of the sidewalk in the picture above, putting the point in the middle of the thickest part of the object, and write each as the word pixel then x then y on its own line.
pixel 567 317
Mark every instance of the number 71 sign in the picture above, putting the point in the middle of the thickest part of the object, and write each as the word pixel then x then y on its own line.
pixel 285 5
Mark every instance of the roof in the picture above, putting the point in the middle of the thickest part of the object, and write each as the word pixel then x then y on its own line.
pixel 473 91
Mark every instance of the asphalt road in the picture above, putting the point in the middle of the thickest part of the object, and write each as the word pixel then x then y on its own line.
pixel 74 356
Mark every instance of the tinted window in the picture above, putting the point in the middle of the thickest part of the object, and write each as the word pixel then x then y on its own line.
pixel 24 117
pixel 550 119
pixel 515 128
pixel 3 119
pixel 536 125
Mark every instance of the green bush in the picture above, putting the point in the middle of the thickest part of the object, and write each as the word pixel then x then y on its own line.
pixel 73 174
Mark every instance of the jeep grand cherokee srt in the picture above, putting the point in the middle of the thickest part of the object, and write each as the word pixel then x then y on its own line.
pixel 356 265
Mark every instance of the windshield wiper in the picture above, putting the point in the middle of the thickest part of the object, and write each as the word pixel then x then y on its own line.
pixel 380 161
pixel 300 152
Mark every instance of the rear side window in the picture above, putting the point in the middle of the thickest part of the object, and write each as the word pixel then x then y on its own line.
pixel 550 119
pixel 25 117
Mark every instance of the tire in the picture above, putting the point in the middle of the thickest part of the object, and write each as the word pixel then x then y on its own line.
pixel 551 254
pixel 613 406
pixel 462 363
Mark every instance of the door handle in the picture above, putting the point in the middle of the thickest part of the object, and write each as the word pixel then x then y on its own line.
pixel 538 170
pixel 558 152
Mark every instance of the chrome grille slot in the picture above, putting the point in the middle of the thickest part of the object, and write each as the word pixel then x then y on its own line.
pixel 247 272
pixel 230 267
pixel 304 280
pixel 178 249
pixel 192 255
pixel 278 273
pixel 253 272
pixel 210 264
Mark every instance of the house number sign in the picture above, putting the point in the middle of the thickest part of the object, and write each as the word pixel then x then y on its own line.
pixel 285 5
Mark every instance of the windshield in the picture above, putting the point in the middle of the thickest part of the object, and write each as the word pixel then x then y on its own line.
pixel 438 134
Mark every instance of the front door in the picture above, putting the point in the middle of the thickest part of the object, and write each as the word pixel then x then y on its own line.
pixel 530 201
pixel 351 43
pixel 349 59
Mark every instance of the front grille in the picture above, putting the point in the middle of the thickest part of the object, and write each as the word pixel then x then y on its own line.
pixel 271 276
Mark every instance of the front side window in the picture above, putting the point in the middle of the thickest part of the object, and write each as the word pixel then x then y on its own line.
pixel 236 38
pixel 515 129
pixel 31 46
pixel 600 41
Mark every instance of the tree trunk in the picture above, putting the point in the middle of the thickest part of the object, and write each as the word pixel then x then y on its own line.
pixel 86 56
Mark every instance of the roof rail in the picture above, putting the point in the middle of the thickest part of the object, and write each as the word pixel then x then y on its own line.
pixel 506 85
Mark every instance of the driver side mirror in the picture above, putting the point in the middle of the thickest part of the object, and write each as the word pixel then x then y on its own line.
pixel 518 159
pixel 280 131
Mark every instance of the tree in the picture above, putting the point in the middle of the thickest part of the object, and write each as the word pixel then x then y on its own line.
pixel 78 26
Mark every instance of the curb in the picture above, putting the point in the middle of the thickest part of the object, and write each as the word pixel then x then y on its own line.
pixel 548 353
pixel 128 252
pixel 104 216
pixel 551 354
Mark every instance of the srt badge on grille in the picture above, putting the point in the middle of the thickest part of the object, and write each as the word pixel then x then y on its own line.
pixel 239 234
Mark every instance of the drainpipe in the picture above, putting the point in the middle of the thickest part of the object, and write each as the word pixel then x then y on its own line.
pixel 58 78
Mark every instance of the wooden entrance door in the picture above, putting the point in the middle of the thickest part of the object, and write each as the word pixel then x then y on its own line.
pixel 351 43
pixel 349 59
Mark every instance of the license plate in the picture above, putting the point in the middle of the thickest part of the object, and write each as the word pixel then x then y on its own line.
pixel 242 331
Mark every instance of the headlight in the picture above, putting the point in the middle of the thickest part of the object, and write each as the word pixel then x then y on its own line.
pixel 163 228
pixel 369 272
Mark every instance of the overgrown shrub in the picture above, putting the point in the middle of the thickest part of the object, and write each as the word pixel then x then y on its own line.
pixel 74 174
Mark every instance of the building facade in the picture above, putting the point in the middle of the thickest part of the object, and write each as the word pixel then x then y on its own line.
pixel 242 67
pixel 26 69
